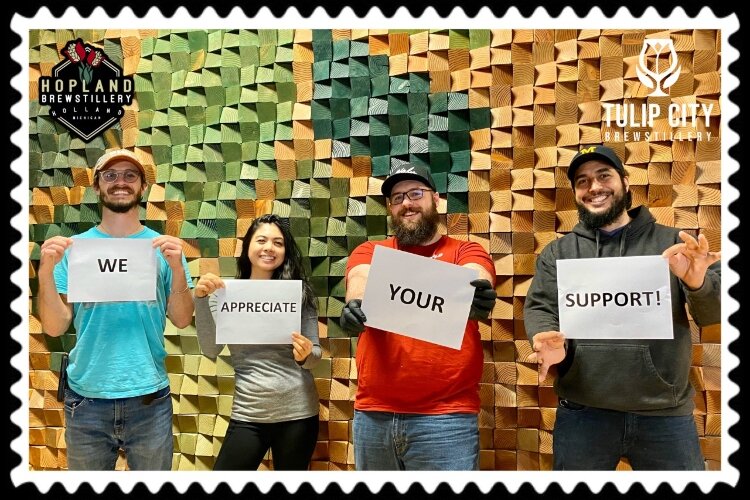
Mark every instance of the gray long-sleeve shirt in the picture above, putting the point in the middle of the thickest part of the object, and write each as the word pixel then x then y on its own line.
pixel 270 385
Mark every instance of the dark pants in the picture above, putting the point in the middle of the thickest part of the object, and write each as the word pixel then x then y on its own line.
pixel 292 444
pixel 587 438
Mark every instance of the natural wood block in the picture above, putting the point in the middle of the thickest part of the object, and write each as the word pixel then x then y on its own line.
pixel 504 439
pixel 713 424
pixel 529 417
pixel 505 396
pixel 527 460
pixel 711 447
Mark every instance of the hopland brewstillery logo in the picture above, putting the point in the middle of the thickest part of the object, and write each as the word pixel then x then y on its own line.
pixel 658 69
pixel 86 91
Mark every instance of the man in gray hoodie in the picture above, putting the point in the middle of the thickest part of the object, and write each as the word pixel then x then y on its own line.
pixel 622 398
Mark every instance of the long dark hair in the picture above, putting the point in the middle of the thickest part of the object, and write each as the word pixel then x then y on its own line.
pixel 290 269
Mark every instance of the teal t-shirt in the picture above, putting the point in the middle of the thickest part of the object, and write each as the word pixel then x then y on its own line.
pixel 119 350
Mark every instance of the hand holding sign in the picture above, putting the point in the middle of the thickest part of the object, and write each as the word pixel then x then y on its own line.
pixel 52 252
pixel 207 285
pixel 171 249
pixel 301 347
pixel 484 299
pixel 352 318
pixel 549 349
pixel 689 260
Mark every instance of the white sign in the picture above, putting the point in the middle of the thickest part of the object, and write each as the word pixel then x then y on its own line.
pixel 258 311
pixel 111 270
pixel 418 297
pixel 615 298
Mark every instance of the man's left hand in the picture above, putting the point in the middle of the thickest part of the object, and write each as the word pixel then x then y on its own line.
pixel 484 299
pixel 690 259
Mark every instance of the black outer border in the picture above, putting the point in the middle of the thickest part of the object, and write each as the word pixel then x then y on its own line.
pixel 362 7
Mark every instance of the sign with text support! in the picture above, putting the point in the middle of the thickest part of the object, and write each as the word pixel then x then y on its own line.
pixel 111 270
pixel 258 311
pixel 615 298
pixel 418 297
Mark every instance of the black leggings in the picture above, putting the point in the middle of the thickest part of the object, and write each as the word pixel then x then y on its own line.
pixel 292 444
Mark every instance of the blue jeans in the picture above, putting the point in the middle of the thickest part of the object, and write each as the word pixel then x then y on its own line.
pixel 96 428
pixel 587 438
pixel 401 441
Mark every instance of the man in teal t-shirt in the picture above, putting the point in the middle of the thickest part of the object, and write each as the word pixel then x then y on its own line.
pixel 118 391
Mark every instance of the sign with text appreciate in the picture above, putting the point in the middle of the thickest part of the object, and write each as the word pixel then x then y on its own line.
pixel 111 270
pixel 418 297
pixel 615 298
pixel 258 311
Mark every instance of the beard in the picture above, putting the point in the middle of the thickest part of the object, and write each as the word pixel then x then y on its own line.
pixel 119 207
pixel 620 203
pixel 419 232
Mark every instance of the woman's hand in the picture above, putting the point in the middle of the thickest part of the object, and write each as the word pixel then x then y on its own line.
pixel 207 285
pixel 301 347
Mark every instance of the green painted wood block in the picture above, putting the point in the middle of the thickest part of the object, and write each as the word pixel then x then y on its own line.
pixel 174 191
pixel 192 207
pixel 457 183
pixel 419 83
pixel 228 266
pixel 360 146
pixel 301 192
pixel 338 207
pixel 359 106
pixel 322 169
pixel 460 161
pixel 188 229
pixel 399 85
pixel 213 60
pixel 440 162
pixel 286 91
pixel 380 129
pixel 248 38
pixel 304 169
pixel 319 207
pixel 438 142
pixel 319 285
pixel 215 96
pixel 337 287
pixel 358 67
pixel 197 98
pixel 379 85
pixel 179 135
pixel 319 188
pixel 206 232
pixel 458 203
pixel 458 120
pixel 249 171
pixel 441 180
pixel 459 140
pixel 381 165
pixel 193 79
pixel 179 156
pixel 89 213
pixel 337 246
pixel 418 145
pixel 231 151
pixel 226 228
pixel 266 152
pixel 479 38
pixel 213 114
pixel 161 64
pixel 360 86
pixel 318 226
pixel 194 153
pixel 299 226
pixel 197 40
pixel 318 247
pixel 398 124
pixel 210 194
pixel 320 266
pixel 418 123
pixel 180 61
pixel 339 70
pixel 233 95
pixel 399 145
pixel 335 306
pixel 228 191
pixel 339 187
pixel 246 189
pixel 338 266
pixel 283 189
pixel 438 102
pixel 250 131
pixel 284 111
pixel 264 74
pixel 320 110
pixel 267 170
pixel 146 99
pixel 340 130
pixel 340 50
pixel 284 54
pixel 225 209
pixel 458 39
pixel 162 45
pixel 339 108
pixel 437 123
pixel 457 101
pixel 193 191
pixel 480 118
pixel 267 54
pixel 322 129
pixel 376 224
pixel 145 65
pixel 280 208
pixel 160 136
pixel 336 227
pixel 322 90
pixel 356 226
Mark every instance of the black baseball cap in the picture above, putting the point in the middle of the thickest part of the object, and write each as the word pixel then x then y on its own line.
pixel 597 152
pixel 405 172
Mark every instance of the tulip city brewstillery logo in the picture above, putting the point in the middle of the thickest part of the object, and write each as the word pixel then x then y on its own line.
pixel 86 90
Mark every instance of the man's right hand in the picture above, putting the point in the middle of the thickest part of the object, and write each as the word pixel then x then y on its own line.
pixel 52 252
pixel 549 349
pixel 352 318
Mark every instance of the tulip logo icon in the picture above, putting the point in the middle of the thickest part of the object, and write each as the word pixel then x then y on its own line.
pixel 667 71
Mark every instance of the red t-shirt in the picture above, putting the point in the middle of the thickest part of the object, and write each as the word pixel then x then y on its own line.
pixel 405 375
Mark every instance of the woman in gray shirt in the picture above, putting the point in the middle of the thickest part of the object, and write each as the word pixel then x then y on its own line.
pixel 275 400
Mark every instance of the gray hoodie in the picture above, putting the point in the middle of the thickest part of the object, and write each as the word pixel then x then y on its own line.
pixel 641 376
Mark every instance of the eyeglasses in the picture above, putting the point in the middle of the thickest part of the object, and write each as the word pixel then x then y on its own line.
pixel 412 194
pixel 129 176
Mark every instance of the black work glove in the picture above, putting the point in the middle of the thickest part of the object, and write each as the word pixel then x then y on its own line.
pixel 352 318
pixel 484 299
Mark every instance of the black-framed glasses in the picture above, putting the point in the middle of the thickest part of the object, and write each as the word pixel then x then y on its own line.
pixel 412 194
pixel 111 176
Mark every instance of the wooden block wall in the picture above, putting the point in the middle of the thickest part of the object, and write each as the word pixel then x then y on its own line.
pixel 232 124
